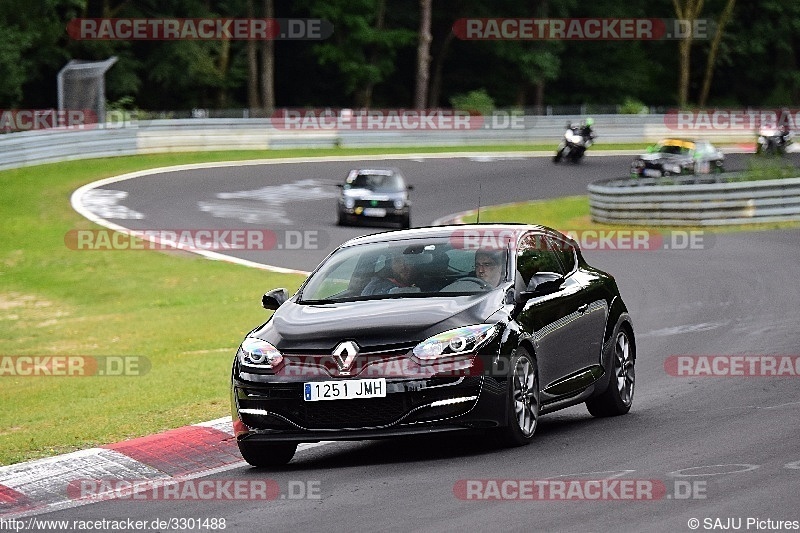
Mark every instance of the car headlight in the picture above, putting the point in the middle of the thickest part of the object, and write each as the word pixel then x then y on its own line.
pixel 349 203
pixel 398 204
pixel 256 353
pixel 455 342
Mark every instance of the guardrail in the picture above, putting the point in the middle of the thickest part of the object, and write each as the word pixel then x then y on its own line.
pixel 176 135
pixel 703 202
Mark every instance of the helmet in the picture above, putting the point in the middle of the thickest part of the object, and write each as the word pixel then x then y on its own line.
pixel 589 121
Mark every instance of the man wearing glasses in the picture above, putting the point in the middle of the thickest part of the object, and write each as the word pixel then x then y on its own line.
pixel 489 267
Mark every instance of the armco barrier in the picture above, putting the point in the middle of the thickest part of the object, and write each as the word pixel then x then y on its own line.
pixel 633 202
pixel 180 135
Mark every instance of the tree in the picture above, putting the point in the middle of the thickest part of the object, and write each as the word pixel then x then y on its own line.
pixel 253 100
pixel 724 18
pixel 687 10
pixel 423 54
pixel 268 63
pixel 362 48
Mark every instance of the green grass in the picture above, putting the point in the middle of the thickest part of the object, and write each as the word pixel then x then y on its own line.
pixel 768 168
pixel 185 314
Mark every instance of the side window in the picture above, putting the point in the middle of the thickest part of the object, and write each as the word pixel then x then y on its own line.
pixel 534 255
pixel 566 253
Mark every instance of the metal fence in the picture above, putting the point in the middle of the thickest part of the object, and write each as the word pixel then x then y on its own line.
pixel 725 202
pixel 124 136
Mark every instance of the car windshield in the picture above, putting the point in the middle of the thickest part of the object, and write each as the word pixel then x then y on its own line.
pixel 376 182
pixel 415 268
pixel 674 148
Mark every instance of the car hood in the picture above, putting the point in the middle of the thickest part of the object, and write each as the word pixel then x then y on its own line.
pixel 374 322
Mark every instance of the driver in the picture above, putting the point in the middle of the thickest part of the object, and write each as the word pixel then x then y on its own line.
pixel 489 267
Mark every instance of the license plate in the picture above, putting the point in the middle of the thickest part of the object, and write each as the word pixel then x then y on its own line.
pixel 344 390
pixel 374 212
pixel 652 173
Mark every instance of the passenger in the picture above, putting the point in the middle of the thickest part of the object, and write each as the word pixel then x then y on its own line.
pixel 401 274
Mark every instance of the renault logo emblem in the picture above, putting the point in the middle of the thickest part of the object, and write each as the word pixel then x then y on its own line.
pixel 344 355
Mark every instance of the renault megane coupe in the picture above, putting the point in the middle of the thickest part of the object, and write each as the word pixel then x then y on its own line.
pixel 483 327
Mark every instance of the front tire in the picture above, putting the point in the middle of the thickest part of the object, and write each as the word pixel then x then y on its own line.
pixel 618 396
pixel 523 401
pixel 263 455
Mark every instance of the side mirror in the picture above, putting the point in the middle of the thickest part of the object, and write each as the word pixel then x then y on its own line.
pixel 340 185
pixel 541 284
pixel 274 298
pixel 409 187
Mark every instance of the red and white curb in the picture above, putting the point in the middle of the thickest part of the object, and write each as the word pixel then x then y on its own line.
pixel 181 454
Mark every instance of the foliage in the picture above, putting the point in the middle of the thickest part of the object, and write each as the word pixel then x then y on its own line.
pixel 474 101
pixel 371 57
pixel 632 106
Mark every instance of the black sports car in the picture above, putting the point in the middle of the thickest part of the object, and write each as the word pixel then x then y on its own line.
pixel 481 326
pixel 678 156
pixel 374 195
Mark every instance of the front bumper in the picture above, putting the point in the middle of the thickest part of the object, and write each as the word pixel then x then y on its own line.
pixel 277 411
pixel 374 214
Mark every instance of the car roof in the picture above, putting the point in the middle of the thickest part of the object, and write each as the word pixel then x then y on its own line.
pixel 374 171
pixel 683 143
pixel 447 231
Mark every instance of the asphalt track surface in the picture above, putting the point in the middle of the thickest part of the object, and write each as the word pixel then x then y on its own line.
pixel 733 440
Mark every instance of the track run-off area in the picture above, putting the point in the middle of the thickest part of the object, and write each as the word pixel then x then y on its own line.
pixel 705 446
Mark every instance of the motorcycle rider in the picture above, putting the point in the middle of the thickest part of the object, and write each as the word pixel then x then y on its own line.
pixel 784 136
pixel 586 130
pixel 576 140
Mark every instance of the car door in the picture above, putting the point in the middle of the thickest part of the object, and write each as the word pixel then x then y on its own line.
pixel 590 323
pixel 553 319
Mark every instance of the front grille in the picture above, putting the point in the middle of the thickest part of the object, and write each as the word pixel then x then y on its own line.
pixel 369 412
pixel 388 204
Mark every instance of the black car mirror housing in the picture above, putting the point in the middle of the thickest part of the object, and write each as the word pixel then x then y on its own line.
pixel 274 298
pixel 542 284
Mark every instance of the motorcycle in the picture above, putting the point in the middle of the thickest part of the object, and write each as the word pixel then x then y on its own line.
pixel 576 141
pixel 773 141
